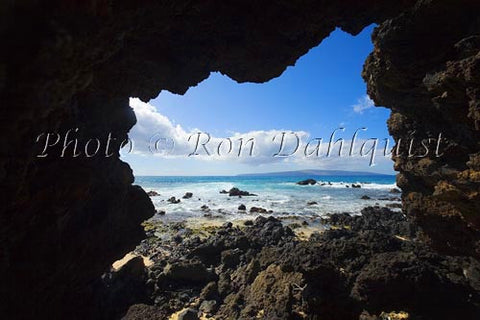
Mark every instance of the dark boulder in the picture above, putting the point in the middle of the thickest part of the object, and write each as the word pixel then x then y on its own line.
pixel 189 272
pixel 307 182
pixel 173 200
pixel 258 210
pixel 187 195
pixel 237 192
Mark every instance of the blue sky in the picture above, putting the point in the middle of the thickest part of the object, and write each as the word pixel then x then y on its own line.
pixel 322 92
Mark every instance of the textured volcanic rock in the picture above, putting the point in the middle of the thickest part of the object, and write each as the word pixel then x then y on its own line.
pixel 237 192
pixel 426 68
pixel 74 64
pixel 373 263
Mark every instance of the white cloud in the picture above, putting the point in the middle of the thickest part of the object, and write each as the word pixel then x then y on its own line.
pixel 154 135
pixel 363 103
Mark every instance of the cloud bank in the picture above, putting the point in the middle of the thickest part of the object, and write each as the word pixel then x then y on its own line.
pixel 156 135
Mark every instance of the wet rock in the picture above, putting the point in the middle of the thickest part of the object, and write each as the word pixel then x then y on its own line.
pixel 242 207
pixel 237 192
pixel 224 192
pixel 365 197
pixel 357 186
pixel 173 200
pixel 153 193
pixel 395 190
pixel 258 210
pixel 187 195
pixel 248 223
pixel 311 203
pixel 205 208
pixel 161 212
pixel 307 182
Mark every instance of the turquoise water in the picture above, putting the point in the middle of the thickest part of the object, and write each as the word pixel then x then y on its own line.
pixel 280 194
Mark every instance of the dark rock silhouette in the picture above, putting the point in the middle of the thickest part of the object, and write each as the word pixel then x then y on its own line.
pixel 237 192
pixel 173 200
pixel 307 182
pixel 187 195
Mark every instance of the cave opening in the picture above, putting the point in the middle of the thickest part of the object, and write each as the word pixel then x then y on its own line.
pixel 334 104
pixel 198 176
pixel 292 125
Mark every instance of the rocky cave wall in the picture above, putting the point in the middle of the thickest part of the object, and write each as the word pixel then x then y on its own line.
pixel 74 64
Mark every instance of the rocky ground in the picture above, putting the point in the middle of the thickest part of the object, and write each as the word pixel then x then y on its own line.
pixel 372 266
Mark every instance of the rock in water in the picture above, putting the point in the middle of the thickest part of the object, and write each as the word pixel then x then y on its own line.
pixel 237 192
pixel 307 182
pixel 188 195
pixel 173 200
pixel 258 210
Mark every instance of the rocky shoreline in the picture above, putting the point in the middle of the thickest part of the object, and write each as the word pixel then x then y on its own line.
pixel 371 266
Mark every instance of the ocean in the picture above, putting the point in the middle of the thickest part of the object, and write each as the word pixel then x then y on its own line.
pixel 280 194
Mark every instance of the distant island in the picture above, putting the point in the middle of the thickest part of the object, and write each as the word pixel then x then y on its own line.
pixel 312 172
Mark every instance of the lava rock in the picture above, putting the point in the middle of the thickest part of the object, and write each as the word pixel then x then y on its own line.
pixel 188 271
pixel 187 195
pixel 188 314
pixel 307 182
pixel 258 210
pixel 237 192
pixel 173 200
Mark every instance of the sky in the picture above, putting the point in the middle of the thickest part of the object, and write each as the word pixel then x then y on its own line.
pixel 320 95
